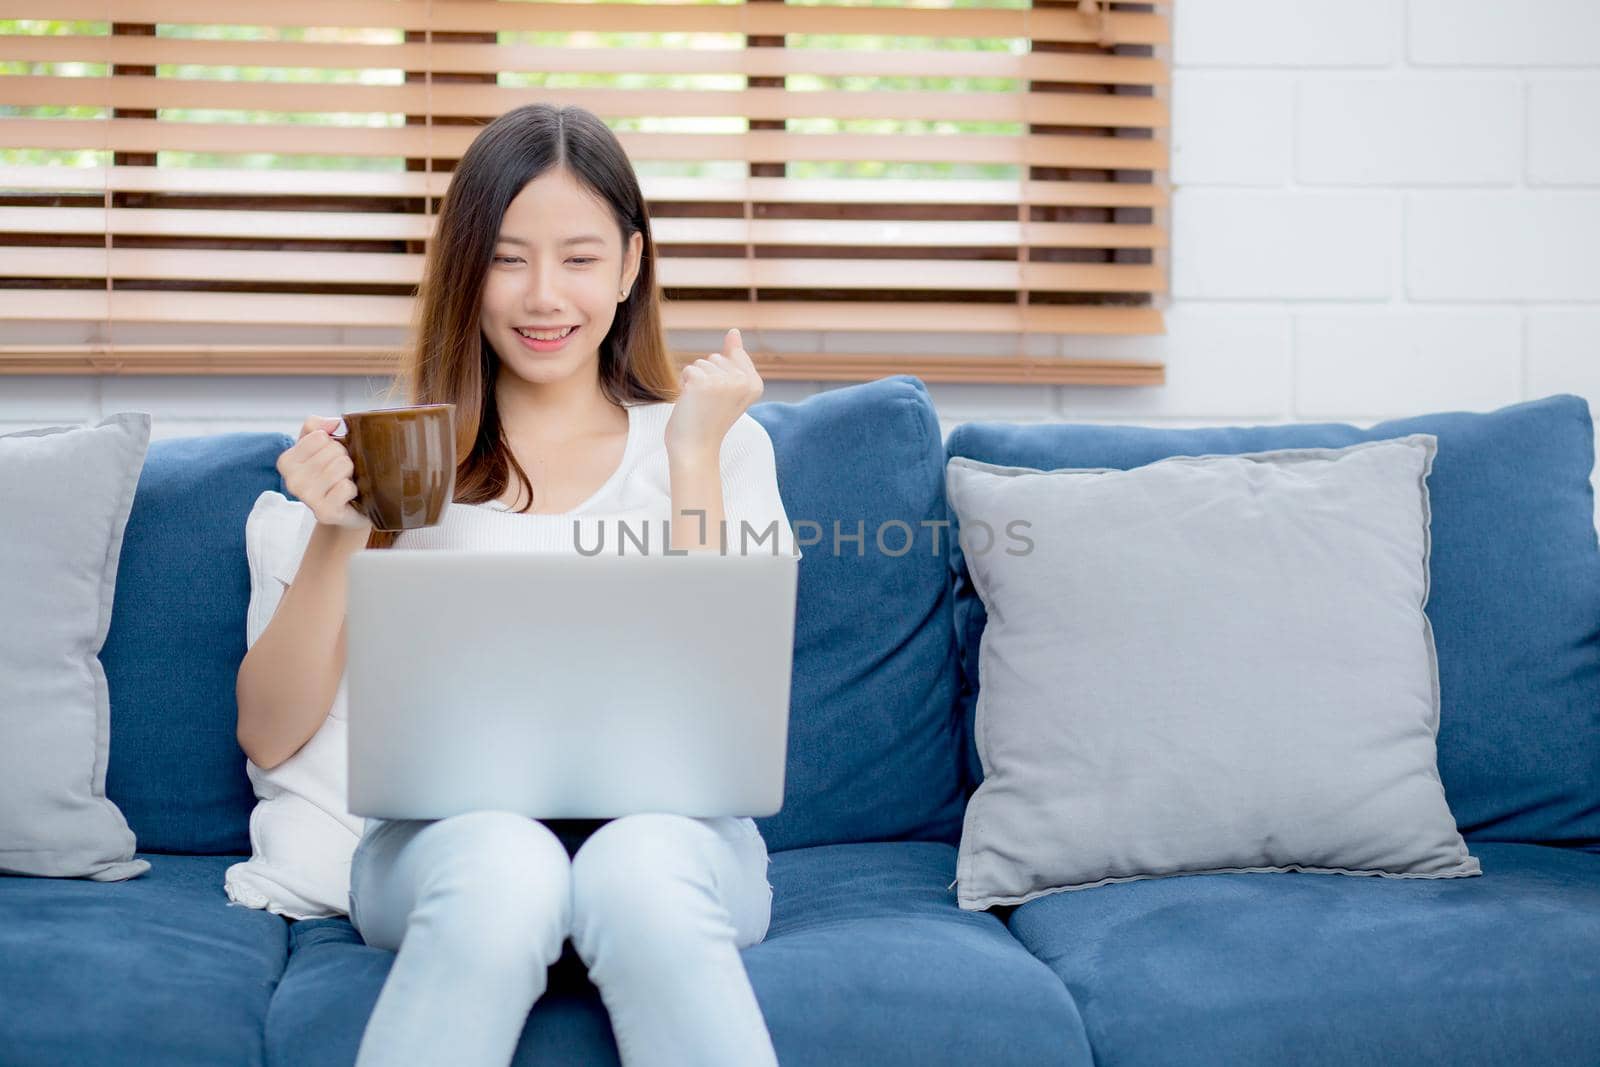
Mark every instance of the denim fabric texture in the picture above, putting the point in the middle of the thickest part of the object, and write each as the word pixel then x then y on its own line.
pixel 478 907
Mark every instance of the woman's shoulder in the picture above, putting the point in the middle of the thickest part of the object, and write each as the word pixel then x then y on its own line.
pixel 749 431
pixel 661 409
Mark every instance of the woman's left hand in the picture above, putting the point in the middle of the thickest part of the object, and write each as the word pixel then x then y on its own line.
pixel 716 391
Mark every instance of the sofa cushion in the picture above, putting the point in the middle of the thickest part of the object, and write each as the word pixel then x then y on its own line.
pixel 65 493
pixel 1266 968
pixel 867 956
pixel 1514 598
pixel 873 730
pixel 176 640
pixel 158 970
pixel 1167 683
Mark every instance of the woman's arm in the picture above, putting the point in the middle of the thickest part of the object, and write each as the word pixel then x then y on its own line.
pixel 697 504
pixel 289 677
pixel 715 392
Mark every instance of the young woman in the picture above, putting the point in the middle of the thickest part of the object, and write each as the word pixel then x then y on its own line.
pixel 539 319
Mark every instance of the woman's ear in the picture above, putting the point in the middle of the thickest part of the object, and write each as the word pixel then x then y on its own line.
pixel 630 261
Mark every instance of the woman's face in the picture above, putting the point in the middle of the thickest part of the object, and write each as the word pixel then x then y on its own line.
pixel 559 263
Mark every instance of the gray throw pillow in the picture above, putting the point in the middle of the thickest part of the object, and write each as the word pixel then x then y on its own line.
pixel 65 495
pixel 1205 664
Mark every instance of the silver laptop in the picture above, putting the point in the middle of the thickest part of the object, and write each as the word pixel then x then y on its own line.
pixel 565 686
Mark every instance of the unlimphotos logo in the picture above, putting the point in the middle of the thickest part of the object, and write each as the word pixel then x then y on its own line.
pixel 892 537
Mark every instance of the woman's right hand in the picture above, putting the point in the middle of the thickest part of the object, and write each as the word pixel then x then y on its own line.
pixel 317 469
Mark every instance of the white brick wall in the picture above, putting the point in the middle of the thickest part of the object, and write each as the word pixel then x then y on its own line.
pixel 1557 105
pixel 1380 207
pixel 1378 361
pixel 1286 33
pixel 1248 117
pixel 1399 129
pixel 1283 244
pixel 1494 33
pixel 1522 246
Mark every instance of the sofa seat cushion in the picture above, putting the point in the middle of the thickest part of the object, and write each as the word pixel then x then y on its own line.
pixel 1333 969
pixel 159 970
pixel 867 957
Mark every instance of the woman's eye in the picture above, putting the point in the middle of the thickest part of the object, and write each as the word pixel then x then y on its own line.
pixel 518 259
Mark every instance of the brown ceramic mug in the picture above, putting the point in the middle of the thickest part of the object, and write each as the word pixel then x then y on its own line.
pixel 405 460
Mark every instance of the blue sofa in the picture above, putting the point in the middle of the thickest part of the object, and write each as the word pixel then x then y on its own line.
pixel 868 959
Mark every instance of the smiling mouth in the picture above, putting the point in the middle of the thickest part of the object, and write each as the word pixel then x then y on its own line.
pixel 544 335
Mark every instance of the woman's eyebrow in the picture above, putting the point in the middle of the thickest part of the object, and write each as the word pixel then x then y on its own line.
pixel 583 238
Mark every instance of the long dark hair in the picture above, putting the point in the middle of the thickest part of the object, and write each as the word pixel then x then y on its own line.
pixel 450 360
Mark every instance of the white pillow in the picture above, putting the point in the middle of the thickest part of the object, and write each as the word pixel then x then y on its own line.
pixel 65 496
pixel 301 836
pixel 1205 664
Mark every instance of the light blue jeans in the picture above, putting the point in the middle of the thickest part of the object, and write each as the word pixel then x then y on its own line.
pixel 478 906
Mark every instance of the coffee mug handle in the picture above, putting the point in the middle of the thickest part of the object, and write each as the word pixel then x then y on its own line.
pixel 344 443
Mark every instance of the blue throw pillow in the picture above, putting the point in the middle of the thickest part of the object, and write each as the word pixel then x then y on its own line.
pixel 1514 600
pixel 874 741
pixel 176 640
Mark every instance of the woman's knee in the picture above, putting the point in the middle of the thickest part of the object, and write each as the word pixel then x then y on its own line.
pixel 498 866
pixel 645 877
pixel 630 854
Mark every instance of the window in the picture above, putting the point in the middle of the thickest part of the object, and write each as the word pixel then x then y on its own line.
pixel 975 166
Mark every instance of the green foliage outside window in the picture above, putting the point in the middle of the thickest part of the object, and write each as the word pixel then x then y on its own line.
pixel 536 81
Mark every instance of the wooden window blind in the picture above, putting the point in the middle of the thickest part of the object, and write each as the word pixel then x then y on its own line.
pixel 980 165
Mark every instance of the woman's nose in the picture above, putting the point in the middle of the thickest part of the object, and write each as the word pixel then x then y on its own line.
pixel 542 293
